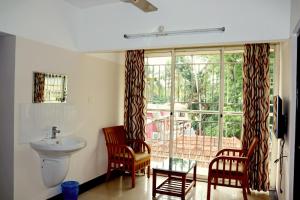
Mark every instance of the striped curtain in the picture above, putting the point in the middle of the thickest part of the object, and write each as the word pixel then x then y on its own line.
pixel 39 87
pixel 134 108
pixel 256 104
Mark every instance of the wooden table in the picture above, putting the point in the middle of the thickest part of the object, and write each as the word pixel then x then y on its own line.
pixel 176 183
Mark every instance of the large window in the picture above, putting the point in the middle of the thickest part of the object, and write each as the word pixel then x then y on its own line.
pixel 194 102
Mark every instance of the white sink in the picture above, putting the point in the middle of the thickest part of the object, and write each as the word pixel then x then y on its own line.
pixel 55 157
pixel 61 146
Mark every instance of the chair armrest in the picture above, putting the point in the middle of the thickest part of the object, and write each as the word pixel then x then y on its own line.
pixel 140 142
pixel 226 152
pixel 124 150
pixel 224 159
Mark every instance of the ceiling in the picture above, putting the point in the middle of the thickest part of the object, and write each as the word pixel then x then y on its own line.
pixel 90 3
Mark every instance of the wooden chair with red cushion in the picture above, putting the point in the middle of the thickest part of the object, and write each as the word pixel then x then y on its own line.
pixel 126 155
pixel 230 168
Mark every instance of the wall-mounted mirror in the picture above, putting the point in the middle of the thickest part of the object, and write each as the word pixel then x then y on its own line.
pixel 49 88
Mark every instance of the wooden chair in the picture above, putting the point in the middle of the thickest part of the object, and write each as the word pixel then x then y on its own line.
pixel 126 155
pixel 230 168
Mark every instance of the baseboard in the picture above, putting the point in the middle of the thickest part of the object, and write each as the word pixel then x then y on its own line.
pixel 90 184
pixel 273 195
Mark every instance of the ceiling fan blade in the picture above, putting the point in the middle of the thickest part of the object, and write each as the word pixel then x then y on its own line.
pixel 144 5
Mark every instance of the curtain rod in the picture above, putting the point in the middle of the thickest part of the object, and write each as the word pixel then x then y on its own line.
pixel 161 32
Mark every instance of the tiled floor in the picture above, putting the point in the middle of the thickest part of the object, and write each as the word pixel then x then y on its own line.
pixel 119 188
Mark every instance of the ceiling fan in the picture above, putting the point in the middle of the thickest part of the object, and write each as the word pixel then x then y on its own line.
pixel 144 5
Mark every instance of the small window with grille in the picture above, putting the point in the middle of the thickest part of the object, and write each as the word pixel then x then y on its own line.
pixel 49 88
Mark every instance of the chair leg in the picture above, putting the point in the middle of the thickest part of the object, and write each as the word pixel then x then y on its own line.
pixel 215 182
pixel 248 190
pixel 108 171
pixel 247 184
pixel 208 188
pixel 244 193
pixel 148 171
pixel 245 188
pixel 133 177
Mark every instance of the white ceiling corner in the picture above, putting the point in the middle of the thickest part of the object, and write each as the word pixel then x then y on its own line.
pixel 90 3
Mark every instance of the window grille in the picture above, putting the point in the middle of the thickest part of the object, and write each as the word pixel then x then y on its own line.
pixel 55 88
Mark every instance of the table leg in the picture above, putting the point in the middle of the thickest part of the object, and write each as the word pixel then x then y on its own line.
pixel 183 187
pixel 154 183
pixel 194 175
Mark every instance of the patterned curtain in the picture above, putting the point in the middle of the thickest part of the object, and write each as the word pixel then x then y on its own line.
pixel 256 103
pixel 134 108
pixel 39 86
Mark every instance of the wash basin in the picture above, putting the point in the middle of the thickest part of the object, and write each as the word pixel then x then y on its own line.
pixel 55 156
pixel 61 146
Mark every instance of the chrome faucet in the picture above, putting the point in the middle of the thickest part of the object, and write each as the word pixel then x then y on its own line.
pixel 54 132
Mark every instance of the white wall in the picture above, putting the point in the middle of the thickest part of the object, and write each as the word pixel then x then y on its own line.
pixel 115 56
pixel 93 88
pixel 295 31
pixel 48 21
pixel 295 16
pixel 103 27
pixel 7 69
pixel 288 91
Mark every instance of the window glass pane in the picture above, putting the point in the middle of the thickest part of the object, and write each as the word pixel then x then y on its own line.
pixel 157 92
pixel 272 76
pixel 233 81
pixel 158 79
pixel 232 131
pixel 197 80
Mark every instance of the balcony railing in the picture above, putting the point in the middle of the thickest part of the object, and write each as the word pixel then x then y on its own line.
pixel 187 142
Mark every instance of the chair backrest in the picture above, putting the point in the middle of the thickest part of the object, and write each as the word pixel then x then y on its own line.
pixel 252 148
pixel 115 135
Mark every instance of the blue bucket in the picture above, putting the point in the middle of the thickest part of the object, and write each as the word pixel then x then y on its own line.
pixel 70 190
